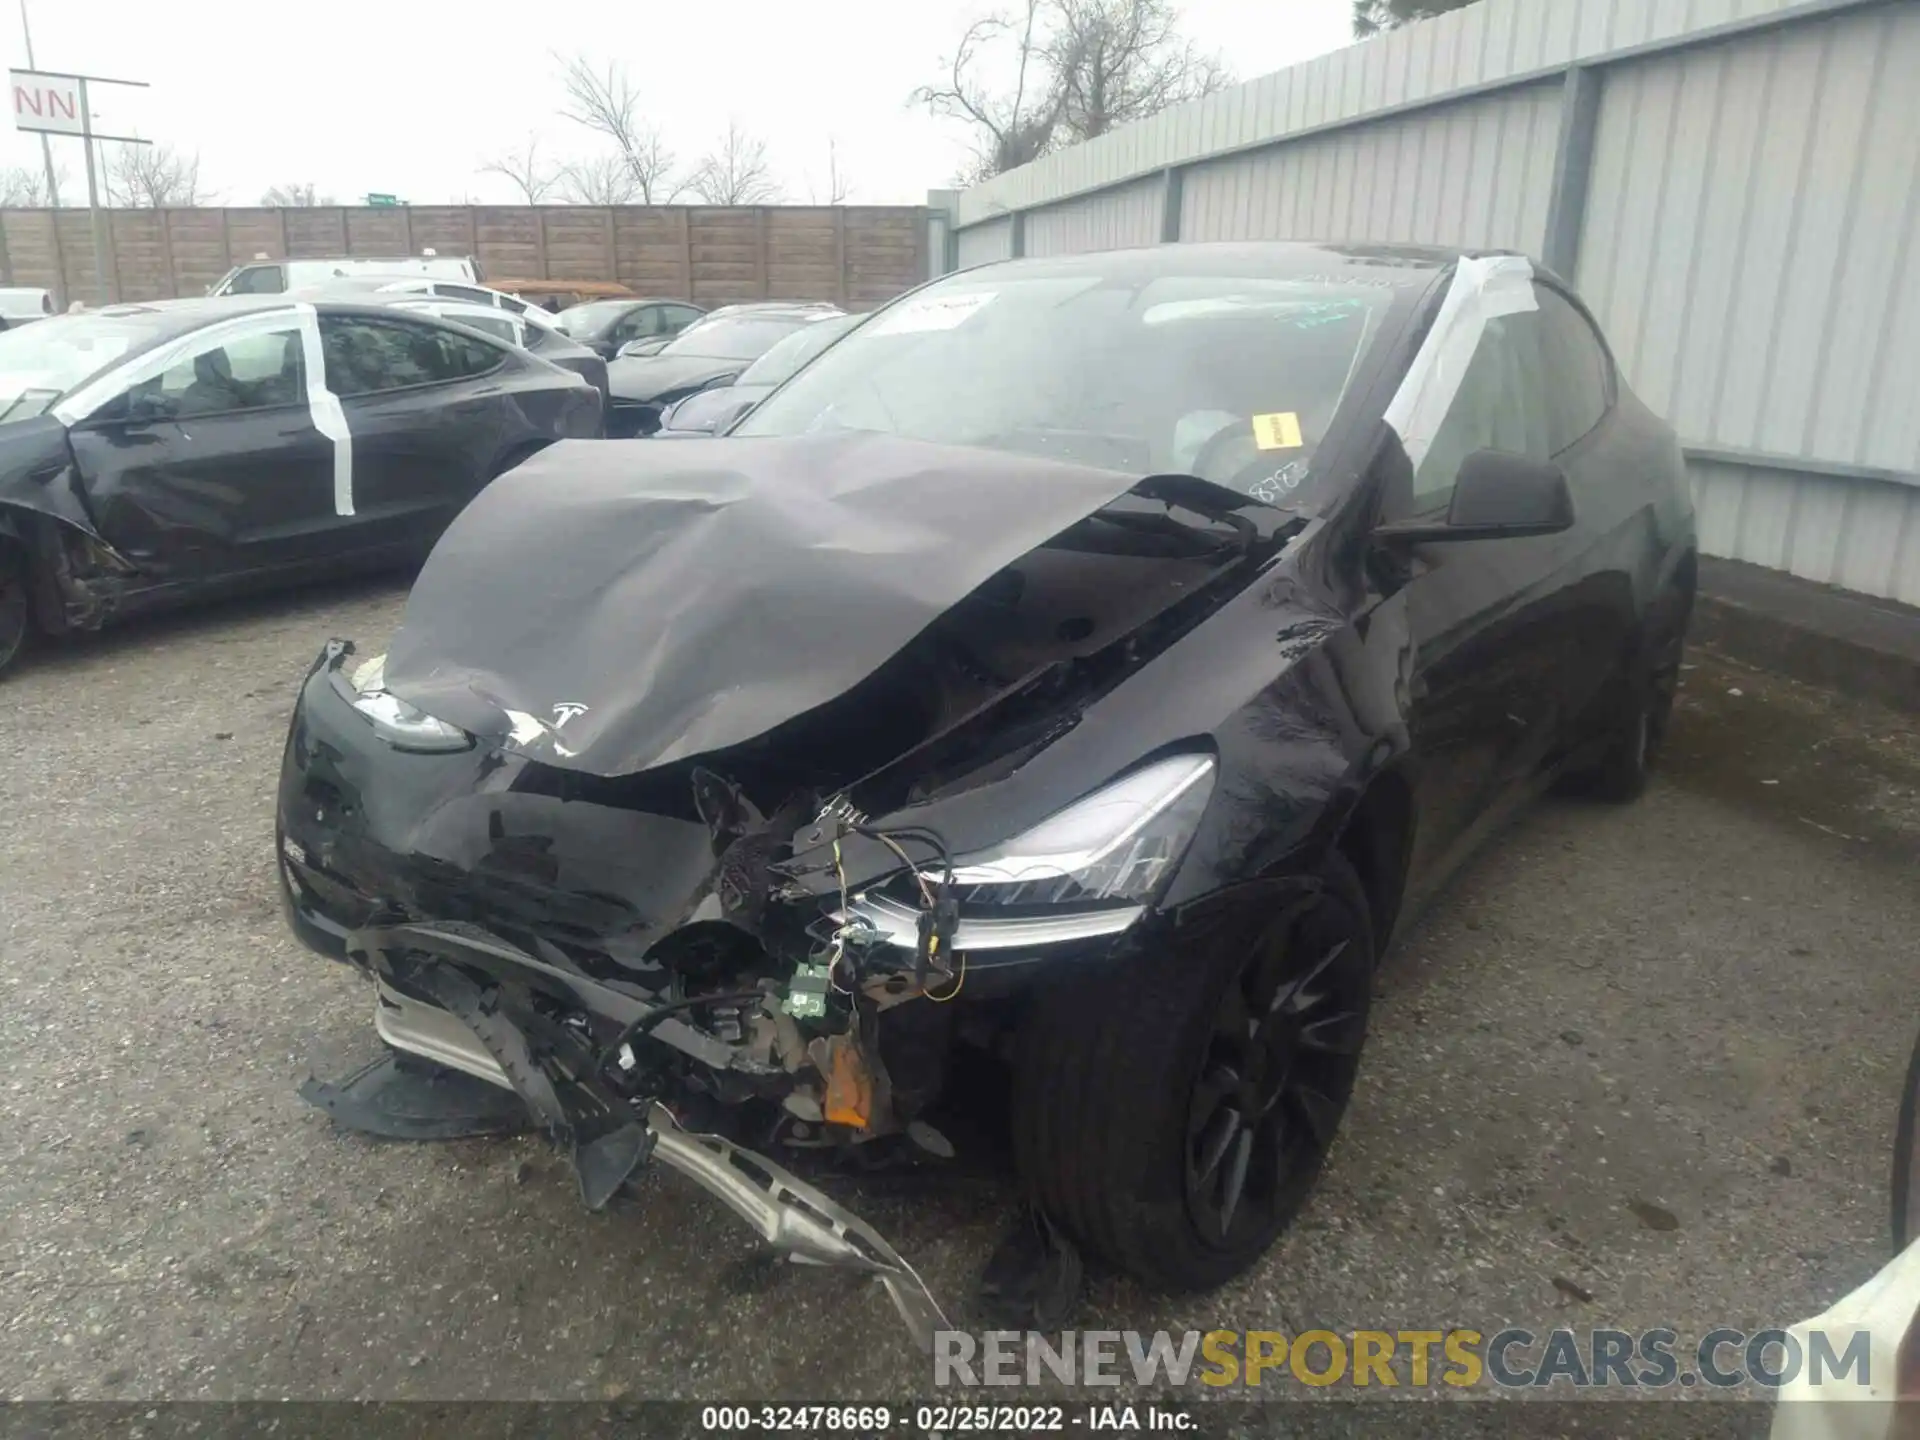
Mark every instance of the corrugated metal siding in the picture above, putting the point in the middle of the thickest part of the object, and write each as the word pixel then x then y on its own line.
pixel 1749 249
pixel 1110 220
pixel 1476 173
pixel 981 243
pixel 1861 535
pixel 1481 43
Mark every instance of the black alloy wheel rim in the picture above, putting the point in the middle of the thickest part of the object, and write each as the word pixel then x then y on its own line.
pixel 1279 1066
pixel 13 613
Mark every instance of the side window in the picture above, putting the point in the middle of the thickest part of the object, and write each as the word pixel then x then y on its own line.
pixel 1500 405
pixel 637 324
pixel 1579 375
pixel 677 317
pixel 462 292
pixel 365 355
pixel 250 372
pixel 259 280
pixel 503 328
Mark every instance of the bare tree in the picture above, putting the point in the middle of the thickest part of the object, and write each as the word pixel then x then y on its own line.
pixel 607 103
pixel 295 196
pixel 838 186
pixel 603 180
pixel 523 168
pixel 1116 61
pixel 735 172
pixel 1012 128
pixel 1370 17
pixel 146 177
pixel 25 187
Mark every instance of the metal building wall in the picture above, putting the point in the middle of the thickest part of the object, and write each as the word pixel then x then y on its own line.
pixel 1475 173
pixel 990 241
pixel 1734 185
pixel 1110 220
pixel 1749 249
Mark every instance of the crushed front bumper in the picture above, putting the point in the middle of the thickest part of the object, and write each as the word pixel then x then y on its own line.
pixel 486 1024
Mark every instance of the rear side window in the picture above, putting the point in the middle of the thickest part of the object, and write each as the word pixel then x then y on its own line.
pixel 1579 377
pixel 366 355
pixel 675 318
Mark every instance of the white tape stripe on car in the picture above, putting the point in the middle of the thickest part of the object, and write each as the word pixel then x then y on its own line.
pixel 329 416
pixel 1482 289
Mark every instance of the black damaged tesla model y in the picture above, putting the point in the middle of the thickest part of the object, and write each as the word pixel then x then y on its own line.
pixel 1092 659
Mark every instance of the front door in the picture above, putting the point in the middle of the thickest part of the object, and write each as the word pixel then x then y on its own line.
pixel 1487 617
pixel 210 462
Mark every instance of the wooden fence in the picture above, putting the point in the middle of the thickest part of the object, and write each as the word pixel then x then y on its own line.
pixel 857 256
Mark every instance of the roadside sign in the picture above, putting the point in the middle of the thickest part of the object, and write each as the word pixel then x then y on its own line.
pixel 46 103
pixel 382 201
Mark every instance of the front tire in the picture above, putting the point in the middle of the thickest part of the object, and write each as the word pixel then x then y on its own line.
pixel 1172 1114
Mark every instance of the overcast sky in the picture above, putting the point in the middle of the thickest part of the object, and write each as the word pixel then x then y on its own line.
pixel 410 98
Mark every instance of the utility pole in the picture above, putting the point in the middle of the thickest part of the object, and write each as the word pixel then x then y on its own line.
pixel 95 213
pixel 46 145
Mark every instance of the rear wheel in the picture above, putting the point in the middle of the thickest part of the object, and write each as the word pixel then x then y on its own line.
pixel 16 608
pixel 1172 1115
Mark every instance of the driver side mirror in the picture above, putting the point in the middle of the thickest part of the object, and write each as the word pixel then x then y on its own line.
pixel 1496 496
pixel 634 349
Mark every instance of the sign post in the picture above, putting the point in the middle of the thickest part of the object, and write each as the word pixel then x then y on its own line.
pixel 53 103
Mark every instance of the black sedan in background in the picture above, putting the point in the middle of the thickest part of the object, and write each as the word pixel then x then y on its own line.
pixel 713 410
pixel 533 331
pixel 1090 661
pixel 155 452
pixel 603 326
pixel 714 352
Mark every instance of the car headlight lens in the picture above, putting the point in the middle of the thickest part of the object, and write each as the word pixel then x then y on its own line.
pixel 395 721
pixel 1118 844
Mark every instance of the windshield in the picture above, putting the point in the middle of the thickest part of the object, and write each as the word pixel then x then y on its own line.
pixel 745 337
pixel 779 363
pixel 591 318
pixel 41 362
pixel 1235 379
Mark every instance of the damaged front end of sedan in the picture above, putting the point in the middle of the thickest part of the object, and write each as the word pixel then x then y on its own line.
pixel 695 801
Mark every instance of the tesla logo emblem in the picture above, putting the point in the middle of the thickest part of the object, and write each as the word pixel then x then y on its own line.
pixel 567 710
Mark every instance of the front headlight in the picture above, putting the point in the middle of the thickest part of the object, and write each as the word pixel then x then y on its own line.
pixel 1118 844
pixel 395 721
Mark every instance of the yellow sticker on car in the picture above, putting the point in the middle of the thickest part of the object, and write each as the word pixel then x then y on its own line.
pixel 1280 431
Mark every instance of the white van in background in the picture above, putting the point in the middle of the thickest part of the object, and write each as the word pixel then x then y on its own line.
pixel 271 277
pixel 21 303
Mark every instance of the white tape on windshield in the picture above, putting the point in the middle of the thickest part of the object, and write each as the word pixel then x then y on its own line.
pixel 329 418
pixel 1482 290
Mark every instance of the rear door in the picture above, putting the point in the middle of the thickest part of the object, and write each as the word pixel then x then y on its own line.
pixel 424 407
pixel 209 462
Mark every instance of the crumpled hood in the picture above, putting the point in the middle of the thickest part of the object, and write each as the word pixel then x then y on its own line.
pixel 611 607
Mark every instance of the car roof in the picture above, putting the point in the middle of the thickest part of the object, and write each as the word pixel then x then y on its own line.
pixel 1280 259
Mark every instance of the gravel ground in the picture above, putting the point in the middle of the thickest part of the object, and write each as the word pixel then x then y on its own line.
pixel 1698 1005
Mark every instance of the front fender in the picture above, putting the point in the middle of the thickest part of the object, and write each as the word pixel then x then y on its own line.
pixel 38 474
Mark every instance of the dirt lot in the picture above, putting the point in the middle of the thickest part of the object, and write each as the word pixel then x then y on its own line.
pixel 1700 1003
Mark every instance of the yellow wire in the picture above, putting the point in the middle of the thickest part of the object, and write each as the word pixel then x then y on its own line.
pixel 958 982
